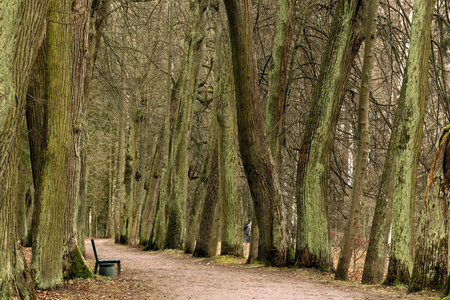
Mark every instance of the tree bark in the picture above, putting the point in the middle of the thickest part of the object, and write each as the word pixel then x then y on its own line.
pixel 178 164
pixel 22 26
pixel 359 173
pixel 276 98
pixel 258 163
pixel 430 263
pixel 313 246
pixel 205 246
pixel 228 167
pixel 52 182
pixel 408 147
pixel 74 264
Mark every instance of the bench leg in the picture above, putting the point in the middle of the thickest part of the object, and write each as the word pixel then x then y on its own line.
pixel 118 269
pixel 96 268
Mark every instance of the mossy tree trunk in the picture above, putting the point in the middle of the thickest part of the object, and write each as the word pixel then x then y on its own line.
pixel 228 167
pixel 22 31
pixel 74 264
pixel 276 98
pixel 52 183
pixel 197 197
pixel 313 246
pixel 204 246
pixel 178 163
pixel 259 167
pixel 430 257
pixel 158 228
pixel 149 205
pixel 120 187
pixel 408 147
pixel 359 173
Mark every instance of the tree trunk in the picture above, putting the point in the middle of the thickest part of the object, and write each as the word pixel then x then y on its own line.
pixel 193 47
pixel 52 182
pixel 258 163
pixel 313 246
pixel 196 199
pixel 430 257
pixel 276 98
pixel 74 264
pixel 359 173
pixel 204 245
pixel 120 187
pixel 253 254
pixel 22 26
pixel 228 167
pixel 408 147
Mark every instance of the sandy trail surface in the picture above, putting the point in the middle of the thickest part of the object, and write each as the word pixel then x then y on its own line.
pixel 175 275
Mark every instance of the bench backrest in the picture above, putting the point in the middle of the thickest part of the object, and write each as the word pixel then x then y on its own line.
pixel 95 251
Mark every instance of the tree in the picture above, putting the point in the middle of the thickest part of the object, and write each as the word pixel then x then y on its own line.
pixel 261 173
pixel 363 143
pixel 178 166
pixel 228 167
pixel 276 98
pixel 158 230
pixel 430 257
pixel 408 147
pixel 22 26
pixel 52 178
pixel 74 264
pixel 313 247
pixel 205 242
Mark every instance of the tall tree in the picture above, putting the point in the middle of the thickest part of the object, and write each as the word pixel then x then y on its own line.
pixel 260 170
pixel 228 167
pixel 362 143
pixel 430 257
pixel 407 150
pixel 178 164
pixel 22 24
pixel 74 264
pixel 52 182
pixel 158 230
pixel 313 246
pixel 204 246
pixel 276 98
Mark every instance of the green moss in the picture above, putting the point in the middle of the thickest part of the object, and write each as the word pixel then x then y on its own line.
pixel 78 267
pixel 291 255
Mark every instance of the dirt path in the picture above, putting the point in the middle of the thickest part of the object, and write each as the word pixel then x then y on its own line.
pixel 177 276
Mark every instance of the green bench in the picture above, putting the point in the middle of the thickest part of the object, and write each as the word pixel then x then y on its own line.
pixel 105 264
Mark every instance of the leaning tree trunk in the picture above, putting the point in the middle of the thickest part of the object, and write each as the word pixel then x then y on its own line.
pixel 363 144
pixel 260 170
pixel 313 246
pixel 430 257
pixel 408 148
pixel 22 31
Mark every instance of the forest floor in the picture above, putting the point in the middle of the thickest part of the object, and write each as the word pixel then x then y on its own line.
pixel 175 275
